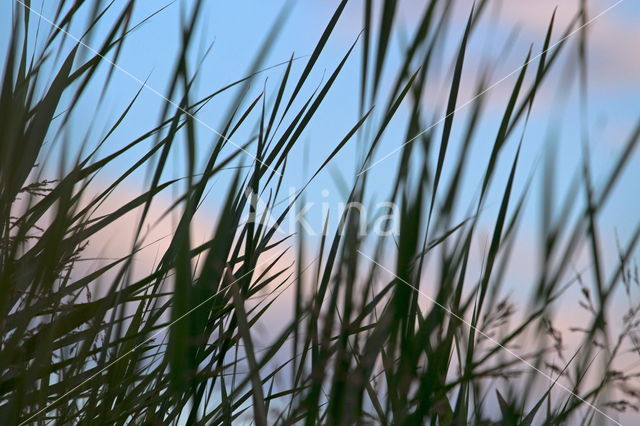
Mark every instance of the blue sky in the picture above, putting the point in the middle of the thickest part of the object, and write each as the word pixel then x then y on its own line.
pixel 236 29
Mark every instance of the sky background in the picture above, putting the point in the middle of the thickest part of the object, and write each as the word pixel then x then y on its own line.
pixel 236 37
pixel 235 30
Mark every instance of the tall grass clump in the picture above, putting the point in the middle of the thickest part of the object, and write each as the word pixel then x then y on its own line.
pixel 389 328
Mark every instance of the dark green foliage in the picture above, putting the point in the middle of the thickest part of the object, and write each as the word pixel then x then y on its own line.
pixel 365 344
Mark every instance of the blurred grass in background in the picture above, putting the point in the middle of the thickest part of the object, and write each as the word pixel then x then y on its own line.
pixel 383 329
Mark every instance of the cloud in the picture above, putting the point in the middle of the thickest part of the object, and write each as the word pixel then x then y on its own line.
pixel 611 37
pixel 117 240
